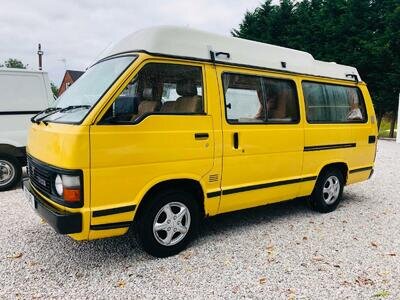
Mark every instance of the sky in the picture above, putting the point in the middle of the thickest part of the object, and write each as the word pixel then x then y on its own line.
pixel 73 33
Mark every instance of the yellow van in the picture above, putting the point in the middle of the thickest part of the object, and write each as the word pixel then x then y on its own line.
pixel 173 125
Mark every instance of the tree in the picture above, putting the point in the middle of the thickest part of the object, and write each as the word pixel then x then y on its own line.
pixel 361 33
pixel 54 89
pixel 14 63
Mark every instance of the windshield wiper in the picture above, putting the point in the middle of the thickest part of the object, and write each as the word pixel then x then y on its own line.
pixel 48 111
pixel 73 107
pixel 52 110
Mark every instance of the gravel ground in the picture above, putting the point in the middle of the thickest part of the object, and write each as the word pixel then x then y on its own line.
pixel 282 251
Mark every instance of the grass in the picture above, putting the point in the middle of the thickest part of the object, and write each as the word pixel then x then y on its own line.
pixel 384 130
pixel 382 294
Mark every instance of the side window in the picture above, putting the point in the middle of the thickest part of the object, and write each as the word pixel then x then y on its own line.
pixel 328 103
pixel 159 89
pixel 282 102
pixel 243 98
pixel 254 99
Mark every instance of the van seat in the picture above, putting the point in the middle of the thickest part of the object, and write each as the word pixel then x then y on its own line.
pixel 189 101
pixel 189 104
pixel 168 107
pixel 147 105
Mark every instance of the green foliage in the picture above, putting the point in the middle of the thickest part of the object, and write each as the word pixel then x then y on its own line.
pixel 382 294
pixel 360 33
pixel 384 129
pixel 54 89
pixel 13 63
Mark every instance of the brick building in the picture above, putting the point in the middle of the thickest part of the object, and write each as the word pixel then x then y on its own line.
pixel 69 78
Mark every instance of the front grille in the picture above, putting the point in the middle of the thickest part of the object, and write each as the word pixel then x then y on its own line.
pixel 40 177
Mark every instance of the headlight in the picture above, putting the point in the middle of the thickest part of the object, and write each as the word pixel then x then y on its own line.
pixel 68 187
pixel 58 184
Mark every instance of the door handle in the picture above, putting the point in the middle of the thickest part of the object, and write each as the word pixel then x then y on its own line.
pixel 201 136
pixel 235 140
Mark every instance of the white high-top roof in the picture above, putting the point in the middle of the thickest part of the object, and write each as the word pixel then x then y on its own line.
pixel 191 43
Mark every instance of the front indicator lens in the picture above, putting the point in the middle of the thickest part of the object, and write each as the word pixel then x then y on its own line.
pixel 72 195
pixel 72 188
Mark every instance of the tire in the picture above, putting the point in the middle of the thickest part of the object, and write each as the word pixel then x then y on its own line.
pixel 328 191
pixel 10 172
pixel 169 237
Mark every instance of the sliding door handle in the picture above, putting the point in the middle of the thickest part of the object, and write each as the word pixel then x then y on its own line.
pixel 236 140
pixel 201 136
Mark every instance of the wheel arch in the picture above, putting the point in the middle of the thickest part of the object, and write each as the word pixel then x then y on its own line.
pixel 16 157
pixel 185 183
pixel 11 150
pixel 17 152
pixel 340 165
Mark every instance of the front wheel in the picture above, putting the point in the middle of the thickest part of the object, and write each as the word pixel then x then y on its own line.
pixel 328 191
pixel 166 226
pixel 10 172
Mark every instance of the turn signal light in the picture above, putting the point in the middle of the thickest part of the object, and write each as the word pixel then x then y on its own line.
pixel 72 195
pixel 68 187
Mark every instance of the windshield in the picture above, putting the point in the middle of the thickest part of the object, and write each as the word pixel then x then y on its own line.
pixel 74 104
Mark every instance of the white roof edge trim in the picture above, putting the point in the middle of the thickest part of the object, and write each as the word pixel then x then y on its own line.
pixel 193 43
pixel 5 69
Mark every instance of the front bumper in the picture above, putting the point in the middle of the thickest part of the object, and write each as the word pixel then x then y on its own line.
pixel 62 222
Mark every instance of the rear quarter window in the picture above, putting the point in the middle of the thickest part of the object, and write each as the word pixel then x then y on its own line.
pixel 329 103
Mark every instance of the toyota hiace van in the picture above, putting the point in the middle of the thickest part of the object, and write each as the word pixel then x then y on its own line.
pixel 173 125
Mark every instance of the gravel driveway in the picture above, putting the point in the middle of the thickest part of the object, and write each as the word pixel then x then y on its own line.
pixel 282 251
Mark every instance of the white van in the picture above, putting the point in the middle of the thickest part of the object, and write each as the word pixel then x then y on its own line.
pixel 23 94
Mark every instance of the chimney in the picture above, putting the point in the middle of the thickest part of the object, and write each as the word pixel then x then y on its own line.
pixel 40 54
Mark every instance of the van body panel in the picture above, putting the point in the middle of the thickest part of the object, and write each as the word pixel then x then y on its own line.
pixel 263 156
pixel 212 180
pixel 14 129
pixel 101 234
pixel 23 93
pixel 318 136
pixel 126 158
pixel 64 146
pixel 348 142
pixel 157 149
pixel 266 154
pixel 366 136
pixel 24 90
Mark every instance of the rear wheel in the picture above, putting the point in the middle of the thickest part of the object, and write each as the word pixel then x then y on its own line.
pixel 10 172
pixel 328 191
pixel 168 223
